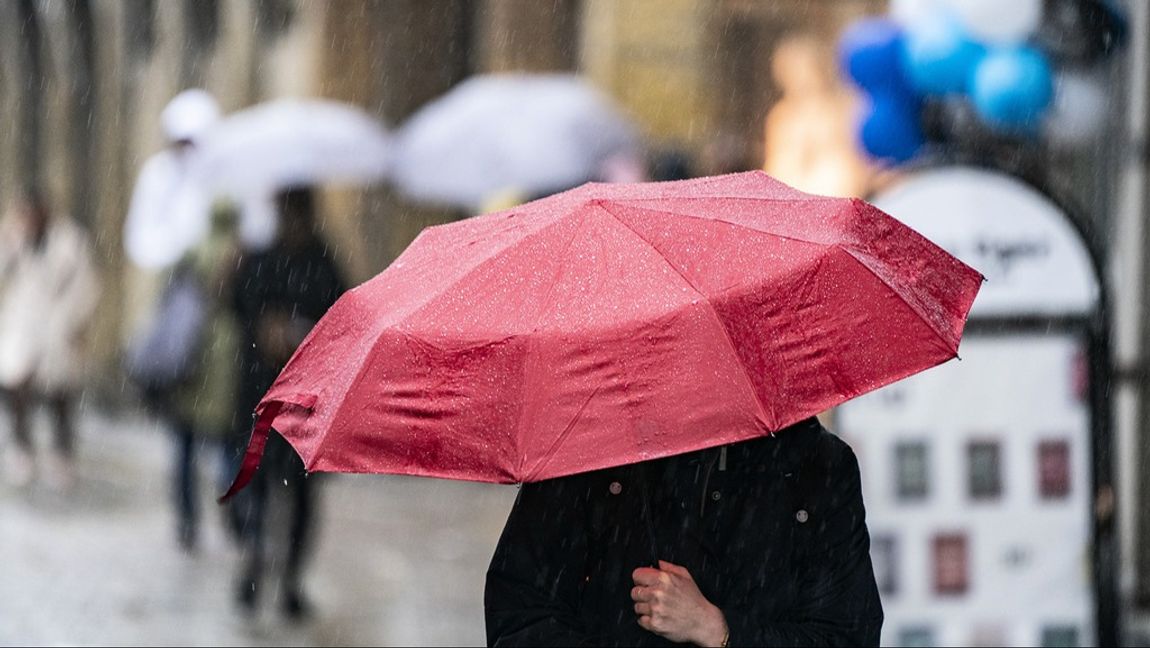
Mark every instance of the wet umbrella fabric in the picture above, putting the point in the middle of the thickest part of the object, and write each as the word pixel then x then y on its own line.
pixel 612 324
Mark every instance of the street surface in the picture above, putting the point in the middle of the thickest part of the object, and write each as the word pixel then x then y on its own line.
pixel 399 561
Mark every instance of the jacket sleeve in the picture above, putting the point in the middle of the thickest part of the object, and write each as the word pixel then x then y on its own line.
pixel 837 601
pixel 534 580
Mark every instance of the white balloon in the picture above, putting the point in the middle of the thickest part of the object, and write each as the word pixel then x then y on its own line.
pixel 1078 111
pixel 998 21
pixel 910 12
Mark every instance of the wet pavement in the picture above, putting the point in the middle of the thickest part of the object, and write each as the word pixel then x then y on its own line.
pixel 398 561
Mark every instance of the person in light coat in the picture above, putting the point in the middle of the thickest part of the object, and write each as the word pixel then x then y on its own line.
pixel 48 292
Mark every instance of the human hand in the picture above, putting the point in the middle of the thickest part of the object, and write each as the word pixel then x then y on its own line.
pixel 670 605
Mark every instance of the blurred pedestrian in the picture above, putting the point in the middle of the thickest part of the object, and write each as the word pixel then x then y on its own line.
pixel 810 140
pixel 168 212
pixel 48 292
pixel 202 408
pixel 758 543
pixel 186 359
pixel 279 295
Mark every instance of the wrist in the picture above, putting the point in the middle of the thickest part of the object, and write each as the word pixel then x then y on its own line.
pixel 715 632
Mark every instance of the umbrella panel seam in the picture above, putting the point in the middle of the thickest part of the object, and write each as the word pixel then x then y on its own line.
pixel 785 237
pixel 471 271
pixel 710 308
pixel 912 304
pixel 520 460
pixel 397 327
pixel 809 199
pixel 549 455
pixel 707 181
pixel 351 387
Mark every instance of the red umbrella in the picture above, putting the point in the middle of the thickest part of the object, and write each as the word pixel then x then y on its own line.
pixel 611 324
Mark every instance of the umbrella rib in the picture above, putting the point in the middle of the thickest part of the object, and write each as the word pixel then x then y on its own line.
pixel 560 438
pixel 354 383
pixel 766 199
pixel 785 237
pixel 397 325
pixel 520 460
pixel 914 305
pixel 710 307
pixel 488 258
pixel 949 345
pixel 709 181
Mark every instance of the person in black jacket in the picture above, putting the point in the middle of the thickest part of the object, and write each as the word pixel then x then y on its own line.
pixel 762 543
pixel 278 296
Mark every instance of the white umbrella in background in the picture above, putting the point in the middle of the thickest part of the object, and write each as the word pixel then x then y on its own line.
pixel 248 156
pixel 293 141
pixel 254 152
pixel 497 133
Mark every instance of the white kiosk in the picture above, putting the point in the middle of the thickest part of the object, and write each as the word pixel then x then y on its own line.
pixel 981 476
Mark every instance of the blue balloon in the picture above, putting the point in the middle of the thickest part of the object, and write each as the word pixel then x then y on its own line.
pixel 939 57
pixel 870 53
pixel 890 129
pixel 1012 88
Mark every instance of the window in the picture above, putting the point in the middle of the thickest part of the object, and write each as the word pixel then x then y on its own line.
pixel 1080 376
pixel 989 635
pixel 1060 636
pixel 950 564
pixel 985 470
pixel 1054 469
pixel 884 556
pixel 916 637
pixel 912 477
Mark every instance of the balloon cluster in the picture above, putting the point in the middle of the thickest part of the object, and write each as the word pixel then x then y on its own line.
pixel 1020 64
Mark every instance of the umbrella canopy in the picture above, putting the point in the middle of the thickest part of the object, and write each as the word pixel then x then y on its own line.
pixel 612 324
pixel 525 133
pixel 247 157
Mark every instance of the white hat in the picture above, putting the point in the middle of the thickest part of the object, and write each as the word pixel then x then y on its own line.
pixel 189 114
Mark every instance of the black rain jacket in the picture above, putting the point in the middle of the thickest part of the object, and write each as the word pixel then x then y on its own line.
pixel 772 530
